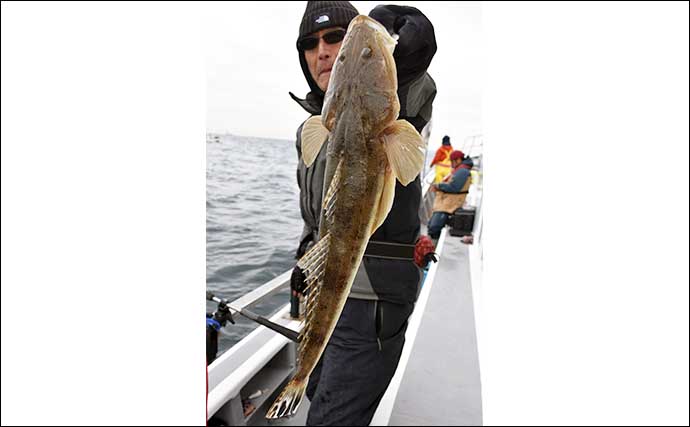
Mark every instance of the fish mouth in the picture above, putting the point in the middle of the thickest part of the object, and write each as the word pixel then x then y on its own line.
pixel 386 40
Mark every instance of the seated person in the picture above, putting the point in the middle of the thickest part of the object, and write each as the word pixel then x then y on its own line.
pixel 451 193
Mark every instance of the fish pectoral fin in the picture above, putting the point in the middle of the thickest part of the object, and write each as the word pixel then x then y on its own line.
pixel 405 149
pixel 314 134
pixel 386 200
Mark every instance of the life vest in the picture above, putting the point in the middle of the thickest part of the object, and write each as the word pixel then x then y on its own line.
pixel 443 167
pixel 450 202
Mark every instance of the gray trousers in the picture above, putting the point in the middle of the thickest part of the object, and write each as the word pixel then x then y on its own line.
pixel 358 363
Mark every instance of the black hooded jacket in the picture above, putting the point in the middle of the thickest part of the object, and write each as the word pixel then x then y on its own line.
pixel 381 279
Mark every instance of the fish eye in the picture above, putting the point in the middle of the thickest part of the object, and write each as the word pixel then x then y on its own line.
pixel 342 58
pixel 366 52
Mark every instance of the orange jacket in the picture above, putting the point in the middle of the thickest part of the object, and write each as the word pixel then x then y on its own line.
pixel 442 155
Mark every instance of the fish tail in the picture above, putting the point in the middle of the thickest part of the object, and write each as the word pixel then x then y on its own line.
pixel 288 401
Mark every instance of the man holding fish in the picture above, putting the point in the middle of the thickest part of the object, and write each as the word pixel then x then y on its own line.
pixel 360 159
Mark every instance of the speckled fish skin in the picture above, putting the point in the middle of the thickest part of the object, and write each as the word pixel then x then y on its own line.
pixel 360 103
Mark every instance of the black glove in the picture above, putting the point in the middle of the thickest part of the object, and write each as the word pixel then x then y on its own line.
pixel 297 280
pixel 431 256
pixel 416 43
pixel 296 288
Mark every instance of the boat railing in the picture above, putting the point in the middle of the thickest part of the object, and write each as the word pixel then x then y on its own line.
pixel 282 282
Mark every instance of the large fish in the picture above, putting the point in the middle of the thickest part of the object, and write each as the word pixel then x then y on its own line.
pixel 367 150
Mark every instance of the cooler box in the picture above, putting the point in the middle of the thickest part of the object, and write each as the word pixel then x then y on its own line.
pixel 462 222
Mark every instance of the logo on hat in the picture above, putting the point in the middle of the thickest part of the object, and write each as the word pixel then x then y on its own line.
pixel 322 19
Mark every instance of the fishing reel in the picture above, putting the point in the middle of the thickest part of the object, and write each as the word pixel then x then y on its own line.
pixel 221 316
pixel 214 322
pixel 218 319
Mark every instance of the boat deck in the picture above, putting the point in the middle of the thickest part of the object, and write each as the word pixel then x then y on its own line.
pixel 441 383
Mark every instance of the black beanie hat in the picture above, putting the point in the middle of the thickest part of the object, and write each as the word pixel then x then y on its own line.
pixel 324 14
pixel 317 16
pixel 446 140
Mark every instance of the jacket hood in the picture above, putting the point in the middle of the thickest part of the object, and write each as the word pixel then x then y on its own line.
pixel 312 104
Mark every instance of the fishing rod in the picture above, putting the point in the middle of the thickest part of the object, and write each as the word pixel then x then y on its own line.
pixel 282 330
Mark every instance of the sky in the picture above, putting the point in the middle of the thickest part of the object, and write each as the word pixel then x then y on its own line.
pixel 252 64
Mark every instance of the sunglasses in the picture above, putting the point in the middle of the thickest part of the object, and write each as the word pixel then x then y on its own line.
pixel 310 42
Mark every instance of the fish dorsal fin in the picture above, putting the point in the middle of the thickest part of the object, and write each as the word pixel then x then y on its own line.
pixel 313 264
pixel 314 134
pixel 405 150
pixel 386 200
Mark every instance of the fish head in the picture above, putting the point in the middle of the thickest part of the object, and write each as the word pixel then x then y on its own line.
pixel 364 77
